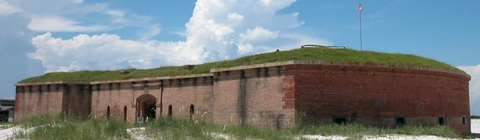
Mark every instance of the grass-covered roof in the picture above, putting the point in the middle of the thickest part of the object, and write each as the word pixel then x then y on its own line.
pixel 309 53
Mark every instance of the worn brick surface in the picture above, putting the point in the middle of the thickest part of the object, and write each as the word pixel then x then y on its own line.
pixel 258 102
pixel 269 95
pixel 374 95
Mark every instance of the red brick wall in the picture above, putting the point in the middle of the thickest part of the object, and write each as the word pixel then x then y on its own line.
pixel 118 97
pixel 76 100
pixel 32 102
pixel 374 95
pixel 268 96
pixel 180 93
pixel 251 96
pixel 115 96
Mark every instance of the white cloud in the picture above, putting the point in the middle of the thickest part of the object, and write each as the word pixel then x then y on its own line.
pixel 116 13
pixel 221 27
pixel 245 48
pixel 474 72
pixel 258 34
pixel 60 24
pixel 266 2
pixel 107 52
pixel 77 16
pixel 235 17
pixel 7 9
pixel 217 30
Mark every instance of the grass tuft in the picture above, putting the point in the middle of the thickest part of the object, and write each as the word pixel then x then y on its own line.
pixel 62 127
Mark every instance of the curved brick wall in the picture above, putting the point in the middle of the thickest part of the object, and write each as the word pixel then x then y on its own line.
pixel 270 95
pixel 377 95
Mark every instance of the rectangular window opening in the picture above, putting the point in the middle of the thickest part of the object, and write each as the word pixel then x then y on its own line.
pixel 442 120
pixel 341 120
pixel 400 120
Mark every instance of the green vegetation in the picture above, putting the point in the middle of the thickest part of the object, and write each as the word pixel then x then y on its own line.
pixel 357 131
pixel 62 127
pixel 474 117
pixel 324 54
pixel 68 128
pixel 173 128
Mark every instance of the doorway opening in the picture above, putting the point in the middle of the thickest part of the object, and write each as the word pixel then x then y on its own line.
pixel 442 120
pixel 146 108
pixel 192 109
pixel 108 112
pixel 400 121
pixel 125 113
pixel 340 120
pixel 170 111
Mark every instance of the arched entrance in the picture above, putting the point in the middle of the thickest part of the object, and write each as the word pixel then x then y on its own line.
pixel 146 108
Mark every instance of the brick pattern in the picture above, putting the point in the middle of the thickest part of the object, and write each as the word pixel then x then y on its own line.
pixel 375 95
pixel 269 96
pixel 259 103
pixel 180 93
pixel 77 100
pixel 36 100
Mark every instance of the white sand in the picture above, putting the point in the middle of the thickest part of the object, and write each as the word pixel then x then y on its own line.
pixel 475 126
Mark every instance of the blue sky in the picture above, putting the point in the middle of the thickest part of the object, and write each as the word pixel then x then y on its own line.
pixel 60 35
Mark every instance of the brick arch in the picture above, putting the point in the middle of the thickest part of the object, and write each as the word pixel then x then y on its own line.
pixel 146 107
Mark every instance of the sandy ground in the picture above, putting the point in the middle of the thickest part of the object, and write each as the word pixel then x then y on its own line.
pixel 475 127
pixel 8 132
pixel 139 134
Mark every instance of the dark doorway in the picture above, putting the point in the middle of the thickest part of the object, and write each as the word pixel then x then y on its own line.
pixel 192 110
pixel 399 121
pixel 340 120
pixel 441 120
pixel 125 113
pixel 170 111
pixel 108 112
pixel 146 107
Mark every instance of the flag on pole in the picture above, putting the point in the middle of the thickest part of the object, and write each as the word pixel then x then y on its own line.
pixel 359 7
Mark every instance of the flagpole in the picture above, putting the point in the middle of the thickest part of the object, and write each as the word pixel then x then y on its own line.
pixel 359 8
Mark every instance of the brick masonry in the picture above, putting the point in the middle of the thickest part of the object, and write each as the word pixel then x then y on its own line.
pixel 271 95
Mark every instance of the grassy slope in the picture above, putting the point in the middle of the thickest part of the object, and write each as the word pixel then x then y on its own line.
pixel 314 53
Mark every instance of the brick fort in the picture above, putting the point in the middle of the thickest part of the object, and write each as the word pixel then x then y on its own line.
pixel 275 94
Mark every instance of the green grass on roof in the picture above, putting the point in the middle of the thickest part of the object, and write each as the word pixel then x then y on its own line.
pixel 310 53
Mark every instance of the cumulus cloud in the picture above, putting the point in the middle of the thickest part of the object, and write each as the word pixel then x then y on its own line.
pixel 7 8
pixel 106 52
pixel 235 17
pixel 258 34
pixel 474 72
pixel 217 30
